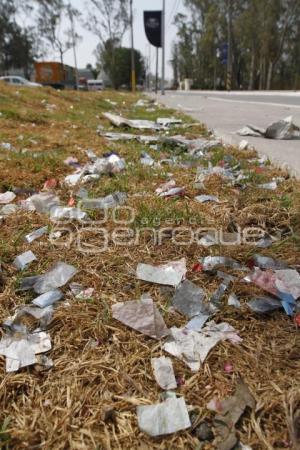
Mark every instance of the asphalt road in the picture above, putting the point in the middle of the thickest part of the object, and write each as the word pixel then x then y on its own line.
pixel 225 113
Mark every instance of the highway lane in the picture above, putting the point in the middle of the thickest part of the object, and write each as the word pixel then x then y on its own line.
pixel 225 113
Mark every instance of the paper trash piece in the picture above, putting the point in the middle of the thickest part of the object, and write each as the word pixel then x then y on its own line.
pixel 229 412
pixel 234 301
pixel 193 347
pixel 264 305
pixel 110 201
pixel 43 202
pixel 48 299
pixel 142 316
pixel 197 322
pixel 163 372
pixel 165 187
pixel 207 198
pixel 146 159
pixel 282 129
pixel 214 262
pixel 265 262
pixel 163 418
pixel 7 197
pixel 167 121
pixel 21 350
pixel 189 299
pixel 21 261
pixel 68 213
pixel 284 284
pixel 16 324
pixel 120 121
pixel 173 192
pixel 272 186
pixel 36 234
pixel 170 274
pixel 58 276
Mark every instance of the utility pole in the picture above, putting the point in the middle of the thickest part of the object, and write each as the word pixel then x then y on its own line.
pixel 229 46
pixel 73 43
pixel 163 44
pixel 133 77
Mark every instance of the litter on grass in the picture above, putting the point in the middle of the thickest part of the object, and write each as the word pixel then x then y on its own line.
pixel 48 299
pixel 214 262
pixel 189 299
pixel 119 121
pixel 57 277
pixel 170 274
pixel 164 373
pixel 7 197
pixel 141 315
pixel 163 418
pixel 21 261
pixel 36 234
pixel 264 305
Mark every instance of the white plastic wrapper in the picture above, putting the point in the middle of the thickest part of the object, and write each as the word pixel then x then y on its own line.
pixel 36 234
pixel 21 261
pixel 7 197
pixel 58 276
pixel 48 299
pixel 164 418
pixel 142 316
pixel 170 274
pixel 164 373
pixel 68 213
pixel 207 198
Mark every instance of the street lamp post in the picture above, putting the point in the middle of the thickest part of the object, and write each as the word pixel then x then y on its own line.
pixel 163 43
pixel 133 75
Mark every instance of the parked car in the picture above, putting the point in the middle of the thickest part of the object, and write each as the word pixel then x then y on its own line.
pixel 95 85
pixel 19 81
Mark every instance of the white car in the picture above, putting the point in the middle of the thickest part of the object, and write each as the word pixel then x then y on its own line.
pixel 95 85
pixel 19 81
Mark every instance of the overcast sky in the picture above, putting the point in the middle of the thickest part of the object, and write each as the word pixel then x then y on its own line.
pixel 87 45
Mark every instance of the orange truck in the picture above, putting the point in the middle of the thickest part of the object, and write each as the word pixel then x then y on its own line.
pixel 55 74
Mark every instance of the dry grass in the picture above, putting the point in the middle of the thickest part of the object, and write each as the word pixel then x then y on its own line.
pixel 101 368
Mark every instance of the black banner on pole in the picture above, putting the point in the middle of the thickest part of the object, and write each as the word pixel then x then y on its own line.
pixel 152 23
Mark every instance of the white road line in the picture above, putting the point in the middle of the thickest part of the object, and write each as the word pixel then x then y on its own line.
pixel 245 102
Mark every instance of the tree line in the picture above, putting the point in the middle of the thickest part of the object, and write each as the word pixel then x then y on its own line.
pixel 36 29
pixel 264 39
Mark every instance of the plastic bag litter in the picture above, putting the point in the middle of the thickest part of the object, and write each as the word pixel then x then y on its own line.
pixel 234 301
pixel 229 412
pixel 272 186
pixel 207 198
pixel 164 373
pixel 263 305
pixel 170 274
pixel 43 202
pixel 36 234
pixel 146 159
pixel 110 201
pixel 7 197
pixel 15 323
pixel 163 418
pixel 9 209
pixel 68 213
pixel 80 292
pixel 167 121
pixel 165 187
pixel 21 350
pixel 197 322
pixel 189 299
pixel 142 316
pixel 173 192
pixel 193 347
pixel 282 129
pixel 194 146
pixel 214 262
pixel 265 262
pixel 57 277
pixel 120 121
pixel 48 299
pixel 21 261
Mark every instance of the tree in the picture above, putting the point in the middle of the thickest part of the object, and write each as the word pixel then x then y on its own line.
pixel 119 70
pixel 50 15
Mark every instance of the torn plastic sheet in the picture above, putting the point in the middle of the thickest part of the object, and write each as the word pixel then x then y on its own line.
pixel 189 299
pixel 141 315
pixel 57 277
pixel 68 213
pixel 7 197
pixel 21 261
pixel 170 274
pixel 43 202
pixel 163 418
pixel 36 234
pixel 234 301
pixel 168 121
pixel 164 373
pixel 229 412
pixel 193 347
pixel 173 192
pixel 197 322
pixel 110 201
pixel 217 296
pixel 265 262
pixel 264 305
pixel 282 129
pixel 143 139
pixel 120 121
pixel 9 209
pixel 193 146
pixel 207 198
pixel 80 292
pixel 146 159
pixel 48 298
pixel 21 350
pixel 15 323
pixel 165 186
pixel 265 242
pixel 214 262
pixel 272 186
pixel 284 284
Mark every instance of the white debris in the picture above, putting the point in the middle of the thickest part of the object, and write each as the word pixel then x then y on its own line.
pixel 7 197
pixel 163 372
pixel 21 261
pixel 36 234
pixel 170 274
pixel 243 145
